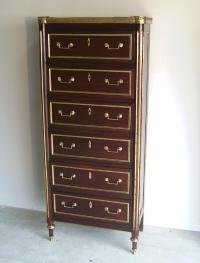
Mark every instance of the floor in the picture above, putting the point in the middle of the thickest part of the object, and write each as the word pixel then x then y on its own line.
pixel 23 239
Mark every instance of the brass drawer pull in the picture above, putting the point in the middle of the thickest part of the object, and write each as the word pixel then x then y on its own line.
pixel 68 178
pixel 107 116
pixel 72 206
pixel 108 181
pixel 113 213
pixel 70 45
pixel 120 81
pixel 106 148
pixel 71 80
pixel 72 113
pixel 120 45
pixel 73 145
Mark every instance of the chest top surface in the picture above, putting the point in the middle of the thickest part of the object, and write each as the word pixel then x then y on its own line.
pixel 97 20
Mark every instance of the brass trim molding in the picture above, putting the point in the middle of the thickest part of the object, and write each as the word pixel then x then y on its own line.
pixel 87 157
pixel 91 70
pixel 97 20
pixel 136 191
pixel 91 188
pixel 95 199
pixel 91 57
pixel 44 126
pixel 90 105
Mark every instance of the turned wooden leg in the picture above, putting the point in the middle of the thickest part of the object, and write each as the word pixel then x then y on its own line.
pixel 142 224
pixel 50 227
pixel 134 240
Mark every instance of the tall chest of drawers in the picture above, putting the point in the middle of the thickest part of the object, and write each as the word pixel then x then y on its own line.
pixel 94 77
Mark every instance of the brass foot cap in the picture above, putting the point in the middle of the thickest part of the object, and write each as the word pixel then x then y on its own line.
pixel 51 238
pixel 134 251
pixel 51 227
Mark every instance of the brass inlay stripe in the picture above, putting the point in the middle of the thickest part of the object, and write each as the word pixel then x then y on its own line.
pixel 136 141
pixel 138 129
pixel 86 157
pixel 91 188
pixel 90 105
pixel 90 92
pixel 91 57
pixel 44 124
pixel 147 100
pixel 94 199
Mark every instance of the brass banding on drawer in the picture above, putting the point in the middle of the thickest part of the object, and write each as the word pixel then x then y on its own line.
pixel 101 209
pixel 98 148
pixel 91 179
pixel 91 81
pixel 90 46
pixel 90 115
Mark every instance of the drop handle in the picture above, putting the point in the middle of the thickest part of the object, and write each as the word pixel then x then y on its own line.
pixel 111 212
pixel 72 113
pixel 120 81
pixel 107 180
pixel 107 45
pixel 107 116
pixel 106 148
pixel 69 46
pixel 73 176
pixel 66 206
pixel 71 80
pixel 73 145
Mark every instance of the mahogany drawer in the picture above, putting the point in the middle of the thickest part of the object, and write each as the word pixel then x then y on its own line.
pixel 90 147
pixel 91 81
pixel 90 46
pixel 91 115
pixel 91 179
pixel 91 208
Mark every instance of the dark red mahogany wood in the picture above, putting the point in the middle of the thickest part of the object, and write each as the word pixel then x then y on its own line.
pixel 90 147
pixel 91 115
pixel 94 208
pixel 95 81
pixel 94 179
pixel 103 46
pixel 94 75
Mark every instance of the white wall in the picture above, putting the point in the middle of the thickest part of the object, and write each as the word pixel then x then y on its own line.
pixel 173 165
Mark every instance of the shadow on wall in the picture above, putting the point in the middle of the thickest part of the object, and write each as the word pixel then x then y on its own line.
pixel 32 36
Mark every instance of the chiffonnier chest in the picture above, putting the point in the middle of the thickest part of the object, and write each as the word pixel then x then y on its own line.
pixel 94 75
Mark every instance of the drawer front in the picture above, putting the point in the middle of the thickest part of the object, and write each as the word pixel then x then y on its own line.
pixel 91 179
pixel 90 147
pixel 91 208
pixel 90 46
pixel 108 82
pixel 92 115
